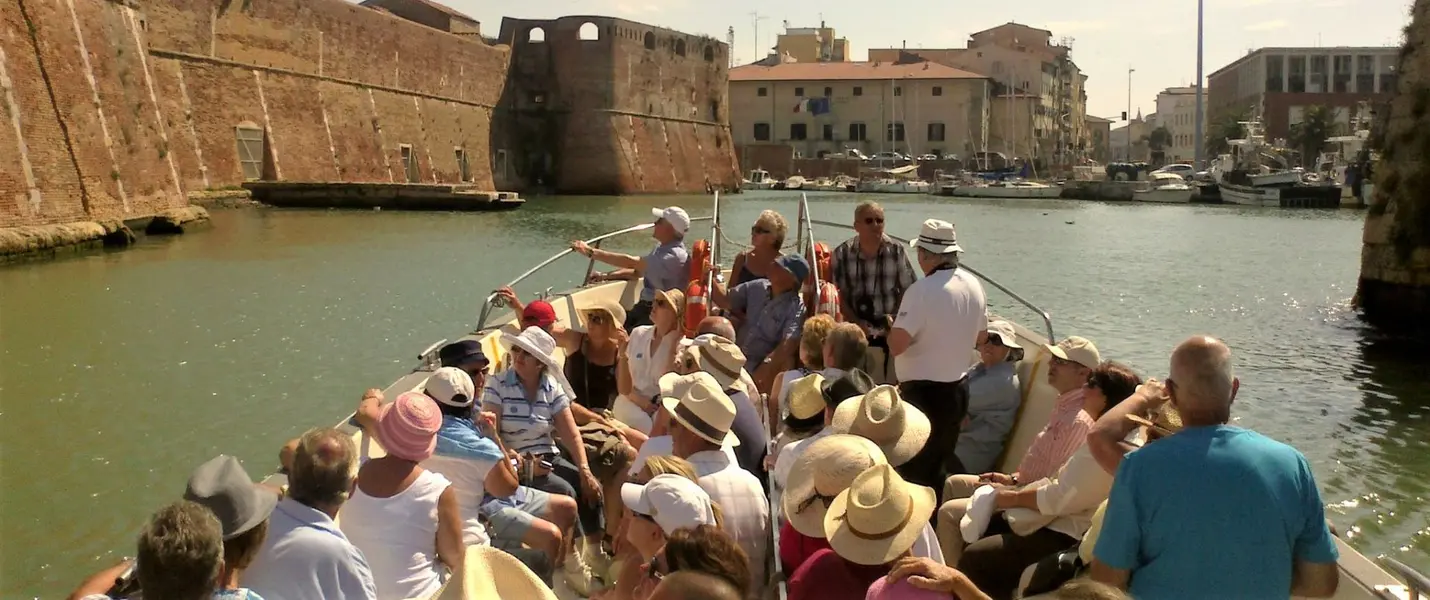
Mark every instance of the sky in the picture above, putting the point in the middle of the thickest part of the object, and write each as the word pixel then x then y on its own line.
pixel 1157 39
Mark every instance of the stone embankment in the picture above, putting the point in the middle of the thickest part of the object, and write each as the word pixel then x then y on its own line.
pixel 40 242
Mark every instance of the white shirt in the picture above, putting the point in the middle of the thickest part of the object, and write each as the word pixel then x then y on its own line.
pixel 306 557
pixel 746 509
pixel 469 481
pixel 663 445
pixel 790 453
pixel 944 312
pixel 398 535
pixel 647 367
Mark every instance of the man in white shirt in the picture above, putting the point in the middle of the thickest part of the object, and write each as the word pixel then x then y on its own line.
pixel 933 341
pixel 700 423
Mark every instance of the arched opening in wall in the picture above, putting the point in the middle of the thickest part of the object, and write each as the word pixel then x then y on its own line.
pixel 680 47
pixel 535 35
pixel 589 31
pixel 251 150
pixel 709 54
pixel 649 41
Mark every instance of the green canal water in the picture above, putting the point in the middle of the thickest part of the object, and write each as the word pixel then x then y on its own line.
pixel 121 371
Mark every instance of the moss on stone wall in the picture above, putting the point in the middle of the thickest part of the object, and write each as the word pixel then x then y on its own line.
pixel 1403 180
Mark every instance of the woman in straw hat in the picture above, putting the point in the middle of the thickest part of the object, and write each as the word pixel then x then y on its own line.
pixel 404 518
pixel 532 401
pixel 882 415
pixel 870 525
pixel 649 354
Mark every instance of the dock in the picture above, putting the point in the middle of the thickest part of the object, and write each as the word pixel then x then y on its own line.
pixel 386 196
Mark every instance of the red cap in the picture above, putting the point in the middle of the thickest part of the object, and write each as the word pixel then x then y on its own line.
pixel 538 313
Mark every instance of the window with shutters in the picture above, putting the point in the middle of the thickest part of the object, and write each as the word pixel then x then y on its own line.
pixel 858 132
pixel 828 133
pixel 250 151
pixel 762 132
pixel 936 132
pixel 798 131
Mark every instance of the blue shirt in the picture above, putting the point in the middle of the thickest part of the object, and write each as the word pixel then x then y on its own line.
pixel 526 425
pixel 306 557
pixel 1213 512
pixel 993 400
pixel 769 320
pixel 665 269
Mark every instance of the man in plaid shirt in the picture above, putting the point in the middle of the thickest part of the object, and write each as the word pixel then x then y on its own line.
pixel 872 272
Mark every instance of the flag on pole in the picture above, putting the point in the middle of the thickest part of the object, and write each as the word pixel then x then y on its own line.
pixel 817 106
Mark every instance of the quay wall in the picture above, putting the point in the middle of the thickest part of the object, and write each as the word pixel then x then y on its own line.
pixel 119 109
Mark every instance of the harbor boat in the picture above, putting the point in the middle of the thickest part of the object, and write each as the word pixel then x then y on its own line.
pixel 839 183
pixel 1287 196
pixel 794 182
pixel 1360 577
pixel 1255 174
pixel 1009 189
pixel 759 179
pixel 889 185
pixel 1165 187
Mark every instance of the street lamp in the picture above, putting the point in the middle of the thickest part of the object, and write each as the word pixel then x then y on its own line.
pixel 1199 153
pixel 1130 70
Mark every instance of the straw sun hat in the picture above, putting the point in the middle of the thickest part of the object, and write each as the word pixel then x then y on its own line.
pixel 879 517
pixel 491 574
pixel 881 415
pixel 702 406
pixel 826 468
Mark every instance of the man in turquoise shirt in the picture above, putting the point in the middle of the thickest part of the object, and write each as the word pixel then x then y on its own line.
pixel 1214 511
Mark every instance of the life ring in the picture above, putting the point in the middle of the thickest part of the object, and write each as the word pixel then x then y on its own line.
pixel 696 301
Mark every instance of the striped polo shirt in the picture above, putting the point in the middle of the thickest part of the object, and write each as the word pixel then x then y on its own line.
pixel 527 426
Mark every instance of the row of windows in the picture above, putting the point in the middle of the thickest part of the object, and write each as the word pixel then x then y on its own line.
pixel 858 132
pixel 857 91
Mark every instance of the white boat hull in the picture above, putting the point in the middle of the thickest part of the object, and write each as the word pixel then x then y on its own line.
pixel 1250 196
pixel 906 187
pixel 757 185
pixel 979 191
pixel 1163 196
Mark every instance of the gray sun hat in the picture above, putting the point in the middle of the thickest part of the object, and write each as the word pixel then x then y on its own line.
pixel 222 486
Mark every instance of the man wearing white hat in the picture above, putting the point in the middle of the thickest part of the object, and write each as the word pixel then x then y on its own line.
pixel 663 269
pixel 700 424
pixel 933 340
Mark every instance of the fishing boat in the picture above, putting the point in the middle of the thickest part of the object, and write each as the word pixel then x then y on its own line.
pixel 1009 189
pixel 1255 174
pixel 1165 187
pixel 793 182
pixel 839 183
pixel 898 180
pixel 1360 577
pixel 759 179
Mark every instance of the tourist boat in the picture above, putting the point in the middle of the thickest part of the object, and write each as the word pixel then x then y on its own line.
pixel 1009 189
pixel 1165 187
pixel 759 179
pixel 1361 578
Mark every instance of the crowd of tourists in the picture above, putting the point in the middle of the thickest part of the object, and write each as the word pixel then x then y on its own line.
pixel 864 404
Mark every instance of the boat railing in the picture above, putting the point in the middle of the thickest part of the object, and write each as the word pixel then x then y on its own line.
pixel 1043 314
pixel 1418 584
pixel 491 303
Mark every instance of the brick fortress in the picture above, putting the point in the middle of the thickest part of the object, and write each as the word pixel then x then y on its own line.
pixel 116 110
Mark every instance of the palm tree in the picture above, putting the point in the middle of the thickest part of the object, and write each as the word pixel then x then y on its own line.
pixel 1317 124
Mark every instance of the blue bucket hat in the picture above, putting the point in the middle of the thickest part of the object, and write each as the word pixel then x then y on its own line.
pixel 796 265
pixel 462 352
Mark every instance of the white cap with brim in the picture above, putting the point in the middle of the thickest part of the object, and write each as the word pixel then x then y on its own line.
pixel 450 386
pixel 672 500
pixel 1079 350
pixel 674 215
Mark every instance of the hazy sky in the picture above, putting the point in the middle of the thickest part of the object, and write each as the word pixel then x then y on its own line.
pixel 1156 38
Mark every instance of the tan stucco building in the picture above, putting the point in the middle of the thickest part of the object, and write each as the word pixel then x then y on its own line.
pixel 1099 132
pixel 871 106
pixel 812 44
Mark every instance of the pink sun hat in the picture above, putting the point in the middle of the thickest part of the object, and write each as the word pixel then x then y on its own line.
pixel 407 428
pixel 901 590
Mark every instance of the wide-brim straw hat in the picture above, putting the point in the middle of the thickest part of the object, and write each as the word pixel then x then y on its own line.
pixel 828 466
pixel 719 357
pixel 805 399
pixel 536 342
pixel 676 298
pixel 610 307
pixel 897 427
pixel 492 574
pixel 879 517
pixel 702 406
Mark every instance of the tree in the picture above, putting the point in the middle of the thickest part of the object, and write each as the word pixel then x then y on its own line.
pixel 1223 128
pixel 1159 139
pixel 1308 137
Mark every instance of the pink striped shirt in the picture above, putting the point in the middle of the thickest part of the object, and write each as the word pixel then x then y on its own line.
pixel 1066 432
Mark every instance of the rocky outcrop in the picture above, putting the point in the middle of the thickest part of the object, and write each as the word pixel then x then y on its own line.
pixel 1394 288
pixel 38 242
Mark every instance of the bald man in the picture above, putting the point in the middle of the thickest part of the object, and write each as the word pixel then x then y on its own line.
pixel 717 325
pixel 1214 510
pixel 694 585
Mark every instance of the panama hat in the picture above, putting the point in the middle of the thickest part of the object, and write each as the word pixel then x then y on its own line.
pixel 719 357
pixel 1079 350
pixel 491 574
pixel 879 517
pixel 937 236
pixel 703 407
pixel 806 402
pixel 536 342
pixel 825 468
pixel 223 487
pixel 618 314
pixel 881 415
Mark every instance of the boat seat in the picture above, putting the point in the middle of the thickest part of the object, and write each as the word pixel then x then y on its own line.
pixel 1036 407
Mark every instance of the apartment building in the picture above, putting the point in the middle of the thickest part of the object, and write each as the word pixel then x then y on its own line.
pixel 823 107
pixel 812 44
pixel 1177 112
pixel 1279 83
pixel 1099 132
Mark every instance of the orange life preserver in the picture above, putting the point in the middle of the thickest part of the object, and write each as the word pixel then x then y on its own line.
pixel 696 307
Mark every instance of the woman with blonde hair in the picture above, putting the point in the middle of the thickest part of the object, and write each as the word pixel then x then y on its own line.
pixel 767 236
pixel 811 360
pixel 649 353
pixel 626 567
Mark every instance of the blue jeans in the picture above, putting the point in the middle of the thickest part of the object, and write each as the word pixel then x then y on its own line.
pixel 565 479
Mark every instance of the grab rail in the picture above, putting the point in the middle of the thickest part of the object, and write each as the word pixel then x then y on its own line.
pixel 807 247
pixel 1047 319
pixel 594 242
pixel 1418 584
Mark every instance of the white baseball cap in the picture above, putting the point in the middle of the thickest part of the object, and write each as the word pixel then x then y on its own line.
pixel 450 386
pixel 673 501
pixel 1079 350
pixel 674 215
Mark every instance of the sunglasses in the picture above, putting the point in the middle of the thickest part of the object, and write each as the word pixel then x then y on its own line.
pixel 598 318
pixel 654 569
pixel 517 351
pixel 662 304
pixel 759 231
pixel 873 220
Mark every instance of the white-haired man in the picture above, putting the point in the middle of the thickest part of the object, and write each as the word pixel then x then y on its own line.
pixel 1213 511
